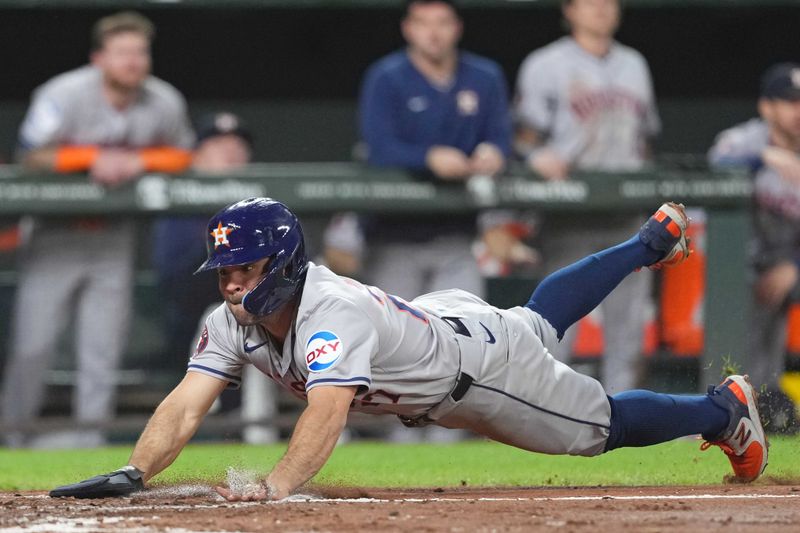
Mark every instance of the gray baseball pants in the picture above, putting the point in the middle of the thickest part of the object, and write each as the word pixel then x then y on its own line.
pixel 70 276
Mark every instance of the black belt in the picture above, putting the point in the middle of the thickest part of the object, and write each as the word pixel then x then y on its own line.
pixel 463 381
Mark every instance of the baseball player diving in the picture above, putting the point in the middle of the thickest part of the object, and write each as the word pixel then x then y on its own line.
pixel 445 358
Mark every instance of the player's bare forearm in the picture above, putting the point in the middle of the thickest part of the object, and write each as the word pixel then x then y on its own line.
pixel 40 159
pixel 313 440
pixel 166 434
pixel 175 421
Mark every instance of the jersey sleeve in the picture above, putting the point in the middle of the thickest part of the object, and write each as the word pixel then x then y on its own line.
pixel 215 354
pixel 536 98
pixel 44 120
pixel 179 131
pixel 339 342
pixel 735 148
pixel 652 120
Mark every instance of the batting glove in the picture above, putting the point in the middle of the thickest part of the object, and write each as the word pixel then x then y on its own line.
pixel 121 482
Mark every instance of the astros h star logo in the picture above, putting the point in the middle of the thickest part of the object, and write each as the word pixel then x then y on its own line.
pixel 221 235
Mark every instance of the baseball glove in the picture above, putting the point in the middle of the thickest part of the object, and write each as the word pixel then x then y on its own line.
pixel 120 482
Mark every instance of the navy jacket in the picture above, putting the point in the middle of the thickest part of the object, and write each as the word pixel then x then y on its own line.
pixel 402 114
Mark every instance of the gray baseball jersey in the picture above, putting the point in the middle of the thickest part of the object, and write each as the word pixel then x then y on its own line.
pixel 776 238
pixel 742 146
pixel 71 109
pixel 596 113
pixel 778 217
pixel 408 357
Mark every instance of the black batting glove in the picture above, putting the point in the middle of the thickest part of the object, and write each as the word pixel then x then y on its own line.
pixel 121 482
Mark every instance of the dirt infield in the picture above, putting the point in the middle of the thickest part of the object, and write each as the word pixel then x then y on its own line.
pixel 762 508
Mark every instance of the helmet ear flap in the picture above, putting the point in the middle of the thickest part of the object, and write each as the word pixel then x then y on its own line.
pixel 285 276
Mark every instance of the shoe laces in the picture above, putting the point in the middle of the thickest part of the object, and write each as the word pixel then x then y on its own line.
pixel 725 448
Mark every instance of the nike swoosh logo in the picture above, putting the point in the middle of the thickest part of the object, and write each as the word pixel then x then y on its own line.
pixel 491 339
pixel 249 349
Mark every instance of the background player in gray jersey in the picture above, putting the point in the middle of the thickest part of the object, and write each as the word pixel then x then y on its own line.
pixel 445 358
pixel 114 121
pixel 586 102
pixel 770 147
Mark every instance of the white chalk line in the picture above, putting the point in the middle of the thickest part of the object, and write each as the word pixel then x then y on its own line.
pixel 317 500
pixel 88 524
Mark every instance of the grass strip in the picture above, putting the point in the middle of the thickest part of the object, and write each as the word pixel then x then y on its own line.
pixel 378 464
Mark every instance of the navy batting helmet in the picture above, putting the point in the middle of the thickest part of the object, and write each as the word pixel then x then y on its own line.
pixel 253 229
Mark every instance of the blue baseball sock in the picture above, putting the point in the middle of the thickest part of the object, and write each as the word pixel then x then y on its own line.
pixel 642 418
pixel 567 295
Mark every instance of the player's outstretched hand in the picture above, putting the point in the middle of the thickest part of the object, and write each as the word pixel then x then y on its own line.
pixel 248 495
pixel 118 483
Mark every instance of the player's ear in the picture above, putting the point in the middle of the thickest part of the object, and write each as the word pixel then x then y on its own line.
pixel 460 30
pixel 404 28
pixel 96 57
pixel 566 6
pixel 765 109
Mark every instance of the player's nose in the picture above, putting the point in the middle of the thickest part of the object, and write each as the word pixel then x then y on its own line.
pixel 231 286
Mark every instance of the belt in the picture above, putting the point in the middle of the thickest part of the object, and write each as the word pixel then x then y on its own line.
pixel 463 383
pixel 464 380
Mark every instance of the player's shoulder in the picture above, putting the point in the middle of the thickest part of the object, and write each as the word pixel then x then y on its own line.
pixel 626 53
pixel 749 128
pixel 740 144
pixel 73 83
pixel 162 92
pixel 323 287
pixel 752 132
pixel 550 53
pixel 547 59
pixel 394 64
pixel 327 293
pixel 480 64
pixel 331 303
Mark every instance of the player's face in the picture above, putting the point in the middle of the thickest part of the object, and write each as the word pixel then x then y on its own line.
pixel 124 60
pixel 235 282
pixel 784 116
pixel 221 153
pixel 599 18
pixel 432 30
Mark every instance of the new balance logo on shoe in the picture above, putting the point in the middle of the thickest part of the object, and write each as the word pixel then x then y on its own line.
pixel 744 441
pixel 743 435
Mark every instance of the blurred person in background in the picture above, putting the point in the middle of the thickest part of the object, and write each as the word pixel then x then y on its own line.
pixel 585 102
pixel 224 145
pixel 501 250
pixel 769 146
pixel 433 109
pixel 113 120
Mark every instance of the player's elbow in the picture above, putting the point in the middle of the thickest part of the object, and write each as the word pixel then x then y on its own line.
pixel 332 403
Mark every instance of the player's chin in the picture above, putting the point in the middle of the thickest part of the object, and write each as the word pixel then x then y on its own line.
pixel 243 318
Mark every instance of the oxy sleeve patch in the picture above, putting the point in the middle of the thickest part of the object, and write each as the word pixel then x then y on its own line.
pixel 323 351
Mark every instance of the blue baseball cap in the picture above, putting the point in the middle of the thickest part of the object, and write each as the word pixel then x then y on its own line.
pixel 781 82
pixel 222 123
